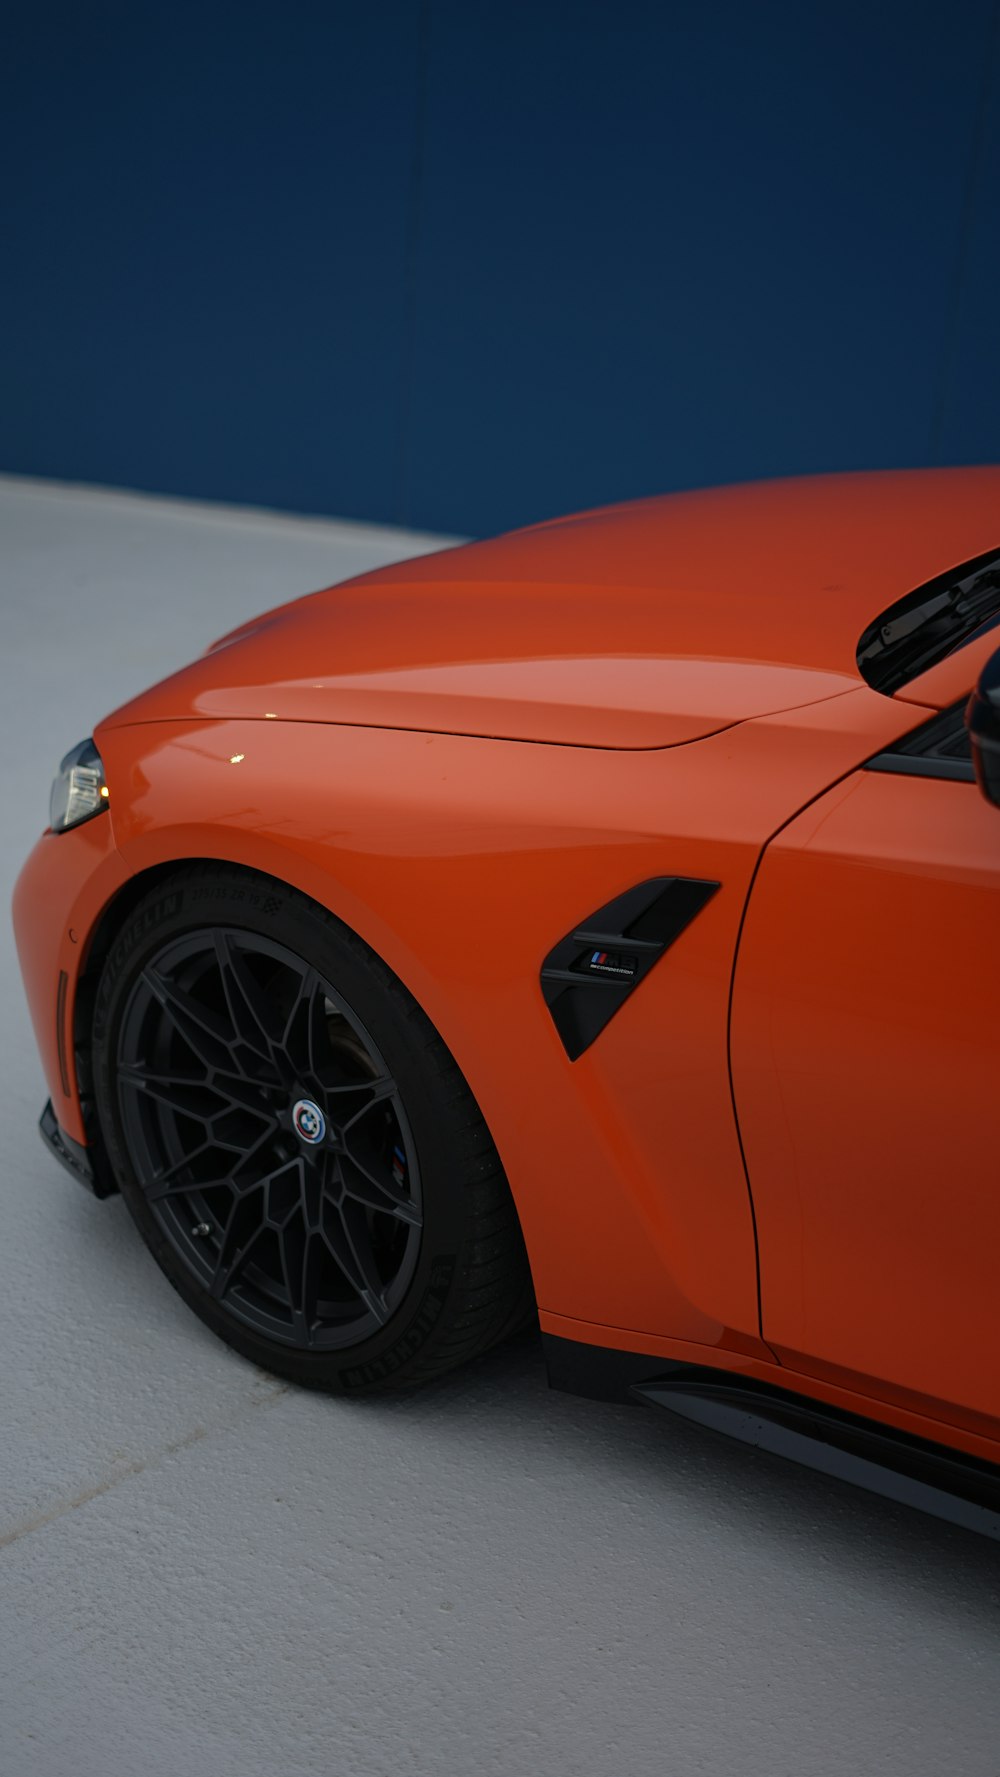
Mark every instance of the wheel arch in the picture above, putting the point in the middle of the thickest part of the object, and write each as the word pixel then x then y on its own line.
pixel 356 918
pixel 111 920
pixel 114 916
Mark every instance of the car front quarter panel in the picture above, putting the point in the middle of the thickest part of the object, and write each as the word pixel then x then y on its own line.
pixel 460 861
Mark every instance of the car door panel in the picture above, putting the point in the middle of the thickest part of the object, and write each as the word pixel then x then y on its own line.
pixel 865 1052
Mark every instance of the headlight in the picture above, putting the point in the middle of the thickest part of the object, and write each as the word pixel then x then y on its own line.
pixel 78 789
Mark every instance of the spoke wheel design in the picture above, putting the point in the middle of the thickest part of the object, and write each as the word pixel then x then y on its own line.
pixel 269 1138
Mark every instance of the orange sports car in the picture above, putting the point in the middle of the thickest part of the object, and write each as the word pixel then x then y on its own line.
pixel 601 921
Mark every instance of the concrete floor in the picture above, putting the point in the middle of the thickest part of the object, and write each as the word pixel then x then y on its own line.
pixel 204 1573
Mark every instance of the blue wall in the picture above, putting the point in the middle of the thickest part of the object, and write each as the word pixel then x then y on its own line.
pixel 466 263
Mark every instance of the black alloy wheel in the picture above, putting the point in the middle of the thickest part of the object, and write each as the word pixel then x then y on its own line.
pixel 272 1144
pixel 295 1142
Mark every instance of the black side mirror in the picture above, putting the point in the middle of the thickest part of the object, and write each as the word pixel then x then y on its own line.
pixel 982 719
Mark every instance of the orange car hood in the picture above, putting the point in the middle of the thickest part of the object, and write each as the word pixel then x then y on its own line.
pixel 645 625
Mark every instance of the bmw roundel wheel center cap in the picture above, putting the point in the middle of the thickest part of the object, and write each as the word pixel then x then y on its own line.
pixel 308 1121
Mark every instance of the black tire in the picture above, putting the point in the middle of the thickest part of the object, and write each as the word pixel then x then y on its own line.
pixel 461 1281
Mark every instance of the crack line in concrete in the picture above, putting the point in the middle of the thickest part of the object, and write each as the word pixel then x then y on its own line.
pixel 132 1469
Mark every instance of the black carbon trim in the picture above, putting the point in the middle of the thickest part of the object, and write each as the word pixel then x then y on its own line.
pixel 591 972
pixel 78 1160
pixel 958 771
pixel 912 1471
pixel 600 1372
pixel 909 1470
pixel 938 748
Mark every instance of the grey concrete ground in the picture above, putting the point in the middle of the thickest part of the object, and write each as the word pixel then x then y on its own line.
pixel 204 1573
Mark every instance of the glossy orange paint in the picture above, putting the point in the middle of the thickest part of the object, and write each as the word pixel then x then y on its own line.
pixel 866 1054
pixel 644 626
pixel 461 861
pixel 463 756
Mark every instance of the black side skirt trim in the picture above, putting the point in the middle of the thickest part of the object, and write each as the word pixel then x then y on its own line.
pixel 598 1372
pixel 911 1471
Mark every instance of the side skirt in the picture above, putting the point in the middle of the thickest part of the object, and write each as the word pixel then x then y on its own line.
pixel 911 1471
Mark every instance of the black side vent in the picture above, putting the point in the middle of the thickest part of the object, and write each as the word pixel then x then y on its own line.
pixel 592 971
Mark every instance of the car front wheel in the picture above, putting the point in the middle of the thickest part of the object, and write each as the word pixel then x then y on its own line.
pixel 296 1144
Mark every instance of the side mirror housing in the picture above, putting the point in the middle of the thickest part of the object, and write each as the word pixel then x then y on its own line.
pixel 982 719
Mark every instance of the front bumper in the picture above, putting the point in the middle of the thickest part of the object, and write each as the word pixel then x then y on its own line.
pixel 84 1163
pixel 66 883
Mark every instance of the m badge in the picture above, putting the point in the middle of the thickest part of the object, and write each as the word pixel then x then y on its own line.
pixel 611 962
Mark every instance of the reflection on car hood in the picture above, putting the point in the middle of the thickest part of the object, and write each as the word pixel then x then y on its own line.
pixel 641 626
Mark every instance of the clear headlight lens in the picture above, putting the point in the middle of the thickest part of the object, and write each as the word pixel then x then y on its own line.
pixel 78 788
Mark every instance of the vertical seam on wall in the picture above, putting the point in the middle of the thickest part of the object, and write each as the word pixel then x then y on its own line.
pixel 411 253
pixel 949 347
